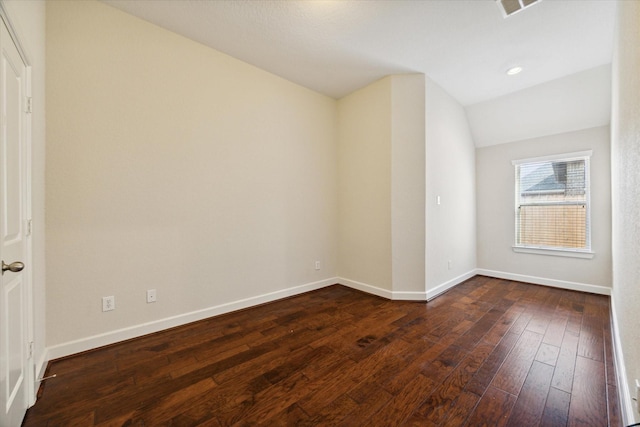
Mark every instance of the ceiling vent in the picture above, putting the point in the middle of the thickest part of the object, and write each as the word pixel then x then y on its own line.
pixel 509 7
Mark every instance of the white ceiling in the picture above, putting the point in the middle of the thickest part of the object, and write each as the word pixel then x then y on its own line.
pixel 336 47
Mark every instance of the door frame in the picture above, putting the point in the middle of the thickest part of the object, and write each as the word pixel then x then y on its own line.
pixel 31 380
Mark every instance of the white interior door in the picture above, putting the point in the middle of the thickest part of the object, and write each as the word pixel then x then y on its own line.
pixel 14 337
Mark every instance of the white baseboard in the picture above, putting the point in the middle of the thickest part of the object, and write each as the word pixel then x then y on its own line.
pixel 112 337
pixel 384 293
pixel 444 287
pixel 574 286
pixel 626 403
pixel 374 290
pixel 409 296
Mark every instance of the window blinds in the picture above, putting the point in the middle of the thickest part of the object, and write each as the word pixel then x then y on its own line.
pixel 552 203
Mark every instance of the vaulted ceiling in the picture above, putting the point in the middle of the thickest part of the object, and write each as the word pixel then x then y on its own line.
pixel 338 46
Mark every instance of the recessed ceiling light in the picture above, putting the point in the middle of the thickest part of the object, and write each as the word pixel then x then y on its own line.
pixel 514 70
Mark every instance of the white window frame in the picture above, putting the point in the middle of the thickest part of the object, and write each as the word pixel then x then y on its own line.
pixel 556 251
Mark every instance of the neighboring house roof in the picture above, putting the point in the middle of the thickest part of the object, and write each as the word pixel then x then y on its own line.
pixel 540 180
pixel 549 183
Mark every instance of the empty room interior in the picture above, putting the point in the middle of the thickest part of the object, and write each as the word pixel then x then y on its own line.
pixel 320 212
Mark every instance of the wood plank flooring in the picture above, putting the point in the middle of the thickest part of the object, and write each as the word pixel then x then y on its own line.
pixel 488 352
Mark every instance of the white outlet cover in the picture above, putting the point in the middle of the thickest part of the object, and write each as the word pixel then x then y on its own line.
pixel 108 303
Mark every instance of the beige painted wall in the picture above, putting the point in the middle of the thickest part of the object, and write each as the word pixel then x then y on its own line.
pixel 175 167
pixel 450 174
pixel 28 19
pixel 496 207
pixel 625 156
pixel 381 187
pixel 364 194
pixel 408 184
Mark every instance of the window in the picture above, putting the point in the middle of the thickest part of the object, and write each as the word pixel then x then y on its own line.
pixel 552 205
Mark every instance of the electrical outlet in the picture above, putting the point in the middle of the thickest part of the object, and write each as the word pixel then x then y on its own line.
pixel 449 264
pixel 317 265
pixel 108 303
pixel 151 295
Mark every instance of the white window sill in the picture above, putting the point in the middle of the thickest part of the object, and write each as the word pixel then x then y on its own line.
pixel 554 252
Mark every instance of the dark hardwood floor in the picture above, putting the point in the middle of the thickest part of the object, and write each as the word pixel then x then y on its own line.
pixel 488 352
